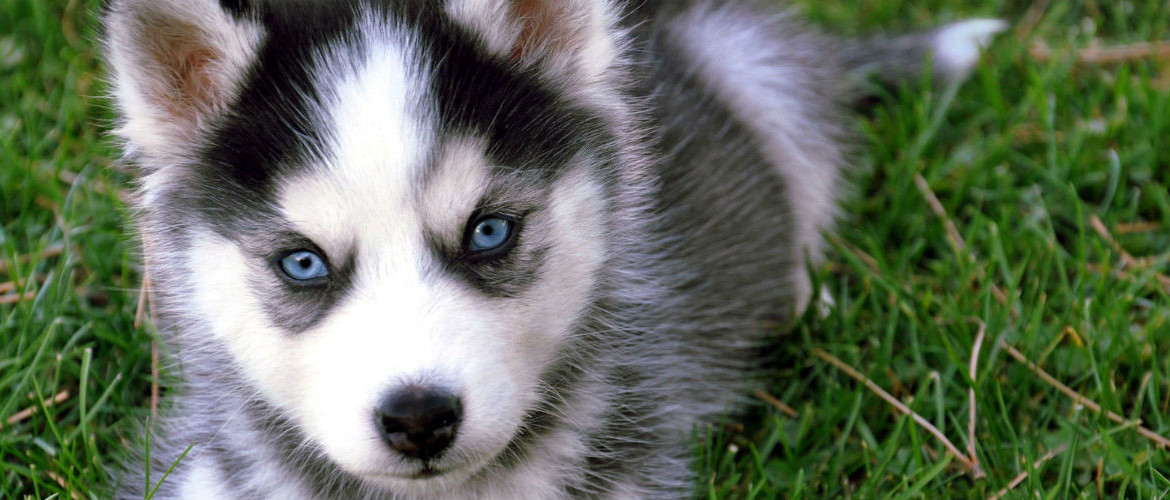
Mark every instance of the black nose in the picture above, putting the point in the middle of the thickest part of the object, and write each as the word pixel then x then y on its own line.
pixel 419 422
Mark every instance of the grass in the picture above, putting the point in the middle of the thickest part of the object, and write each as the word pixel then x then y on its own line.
pixel 1033 150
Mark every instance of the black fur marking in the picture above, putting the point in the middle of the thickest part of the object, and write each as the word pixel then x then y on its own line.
pixel 528 126
pixel 720 228
pixel 270 128
pixel 269 136
pixel 238 8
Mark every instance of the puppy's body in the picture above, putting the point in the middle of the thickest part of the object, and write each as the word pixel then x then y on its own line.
pixel 661 174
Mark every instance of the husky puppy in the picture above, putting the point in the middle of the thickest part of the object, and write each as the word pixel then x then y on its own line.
pixel 474 249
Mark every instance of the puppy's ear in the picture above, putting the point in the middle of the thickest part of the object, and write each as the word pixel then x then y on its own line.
pixel 175 65
pixel 574 40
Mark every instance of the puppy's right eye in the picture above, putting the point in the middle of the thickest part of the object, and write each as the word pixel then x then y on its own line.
pixel 490 235
pixel 304 266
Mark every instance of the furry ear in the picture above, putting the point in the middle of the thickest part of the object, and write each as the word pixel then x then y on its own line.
pixel 569 39
pixel 175 65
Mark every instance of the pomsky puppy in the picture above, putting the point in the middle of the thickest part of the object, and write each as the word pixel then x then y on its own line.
pixel 475 249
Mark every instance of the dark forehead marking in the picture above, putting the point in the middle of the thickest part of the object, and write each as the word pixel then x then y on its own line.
pixel 527 124
pixel 271 131
pixel 271 126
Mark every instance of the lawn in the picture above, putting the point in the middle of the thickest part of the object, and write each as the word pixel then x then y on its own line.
pixel 1024 218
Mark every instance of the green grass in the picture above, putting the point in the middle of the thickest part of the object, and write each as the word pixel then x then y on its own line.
pixel 1021 158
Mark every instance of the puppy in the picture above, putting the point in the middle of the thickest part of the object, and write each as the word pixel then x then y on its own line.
pixel 475 249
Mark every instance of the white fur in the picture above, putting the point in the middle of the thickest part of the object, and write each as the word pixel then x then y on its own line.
pixel 491 19
pixel 385 183
pixel 599 52
pixel 236 315
pixel 378 134
pixel 203 483
pixel 460 179
pixel 373 136
pixel 957 45
pixel 403 321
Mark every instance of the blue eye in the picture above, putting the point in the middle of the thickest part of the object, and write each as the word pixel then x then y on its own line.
pixel 492 232
pixel 304 265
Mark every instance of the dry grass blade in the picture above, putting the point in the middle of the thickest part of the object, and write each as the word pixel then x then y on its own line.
pixel 1164 281
pixel 139 318
pixel 922 422
pixel 953 234
pixel 96 184
pixel 17 297
pixel 12 286
pixel 154 376
pixel 69 26
pixel 938 209
pixel 24 414
pixel 1031 19
pixel 1024 475
pixel 1103 232
pixel 1161 279
pixel 1138 227
pixel 65 486
pixel 48 253
pixel 1126 258
pixel 772 400
pixel 140 311
pixel 866 258
pixel 1107 55
pixel 1082 400
pixel 154 390
pixel 971 414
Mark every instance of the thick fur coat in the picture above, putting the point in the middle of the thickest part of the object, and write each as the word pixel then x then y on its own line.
pixel 571 224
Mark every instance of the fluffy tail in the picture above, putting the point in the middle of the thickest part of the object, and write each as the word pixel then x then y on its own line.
pixel 952 49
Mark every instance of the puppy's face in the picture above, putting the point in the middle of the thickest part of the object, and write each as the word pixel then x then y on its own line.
pixel 370 280
pixel 390 230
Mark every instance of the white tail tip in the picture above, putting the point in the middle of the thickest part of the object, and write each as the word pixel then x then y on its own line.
pixel 957 45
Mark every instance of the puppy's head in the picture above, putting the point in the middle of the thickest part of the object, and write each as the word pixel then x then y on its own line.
pixel 389 217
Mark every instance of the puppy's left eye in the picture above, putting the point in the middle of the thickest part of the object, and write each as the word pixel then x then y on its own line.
pixel 304 266
pixel 490 235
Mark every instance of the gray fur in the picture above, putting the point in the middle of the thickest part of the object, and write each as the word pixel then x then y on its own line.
pixel 719 170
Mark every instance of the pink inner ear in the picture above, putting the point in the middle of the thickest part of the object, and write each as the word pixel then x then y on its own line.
pixel 188 87
pixel 545 28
